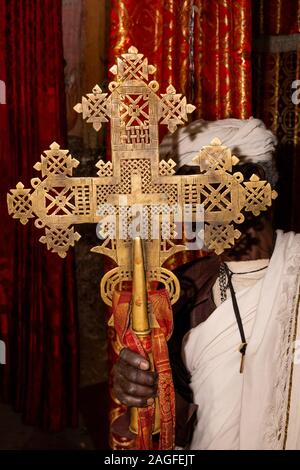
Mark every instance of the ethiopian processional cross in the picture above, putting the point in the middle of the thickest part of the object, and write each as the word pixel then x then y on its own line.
pixel 136 178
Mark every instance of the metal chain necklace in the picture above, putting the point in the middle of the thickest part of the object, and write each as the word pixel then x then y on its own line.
pixel 223 280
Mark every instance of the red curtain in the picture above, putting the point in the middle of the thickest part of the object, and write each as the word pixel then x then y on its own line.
pixel 202 47
pixel 38 321
pixel 277 16
pixel 276 65
pixel 222 58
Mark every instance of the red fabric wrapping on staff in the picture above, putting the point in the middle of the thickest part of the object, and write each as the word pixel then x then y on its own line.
pixel 157 343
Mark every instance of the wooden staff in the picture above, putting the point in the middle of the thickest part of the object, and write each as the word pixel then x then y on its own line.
pixel 140 321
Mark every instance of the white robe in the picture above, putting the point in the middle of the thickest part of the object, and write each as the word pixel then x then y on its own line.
pixel 260 408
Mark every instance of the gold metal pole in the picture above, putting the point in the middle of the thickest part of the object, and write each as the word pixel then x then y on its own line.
pixel 140 320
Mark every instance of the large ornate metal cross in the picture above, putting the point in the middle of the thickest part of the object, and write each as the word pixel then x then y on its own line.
pixel 136 176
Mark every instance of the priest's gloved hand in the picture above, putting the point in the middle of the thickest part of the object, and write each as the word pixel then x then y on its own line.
pixel 134 384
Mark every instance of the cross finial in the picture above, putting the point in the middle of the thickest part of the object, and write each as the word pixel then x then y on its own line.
pixel 135 176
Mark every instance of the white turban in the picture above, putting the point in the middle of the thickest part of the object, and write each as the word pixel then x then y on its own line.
pixel 248 139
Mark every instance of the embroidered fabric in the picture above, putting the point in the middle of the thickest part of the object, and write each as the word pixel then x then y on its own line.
pixel 278 410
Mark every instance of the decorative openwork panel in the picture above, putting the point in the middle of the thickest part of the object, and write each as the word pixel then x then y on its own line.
pixel 135 176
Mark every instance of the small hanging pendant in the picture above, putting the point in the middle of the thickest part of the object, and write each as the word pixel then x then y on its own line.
pixel 242 350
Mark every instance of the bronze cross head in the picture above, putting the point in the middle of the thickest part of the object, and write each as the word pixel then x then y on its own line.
pixel 136 189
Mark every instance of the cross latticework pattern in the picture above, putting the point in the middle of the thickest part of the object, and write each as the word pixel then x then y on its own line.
pixel 95 107
pixel 256 197
pixel 174 109
pixel 19 203
pixel 136 177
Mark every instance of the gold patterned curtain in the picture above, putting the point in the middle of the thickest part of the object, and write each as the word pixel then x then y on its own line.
pixel 222 44
pixel 202 47
pixel 160 30
pixel 276 66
